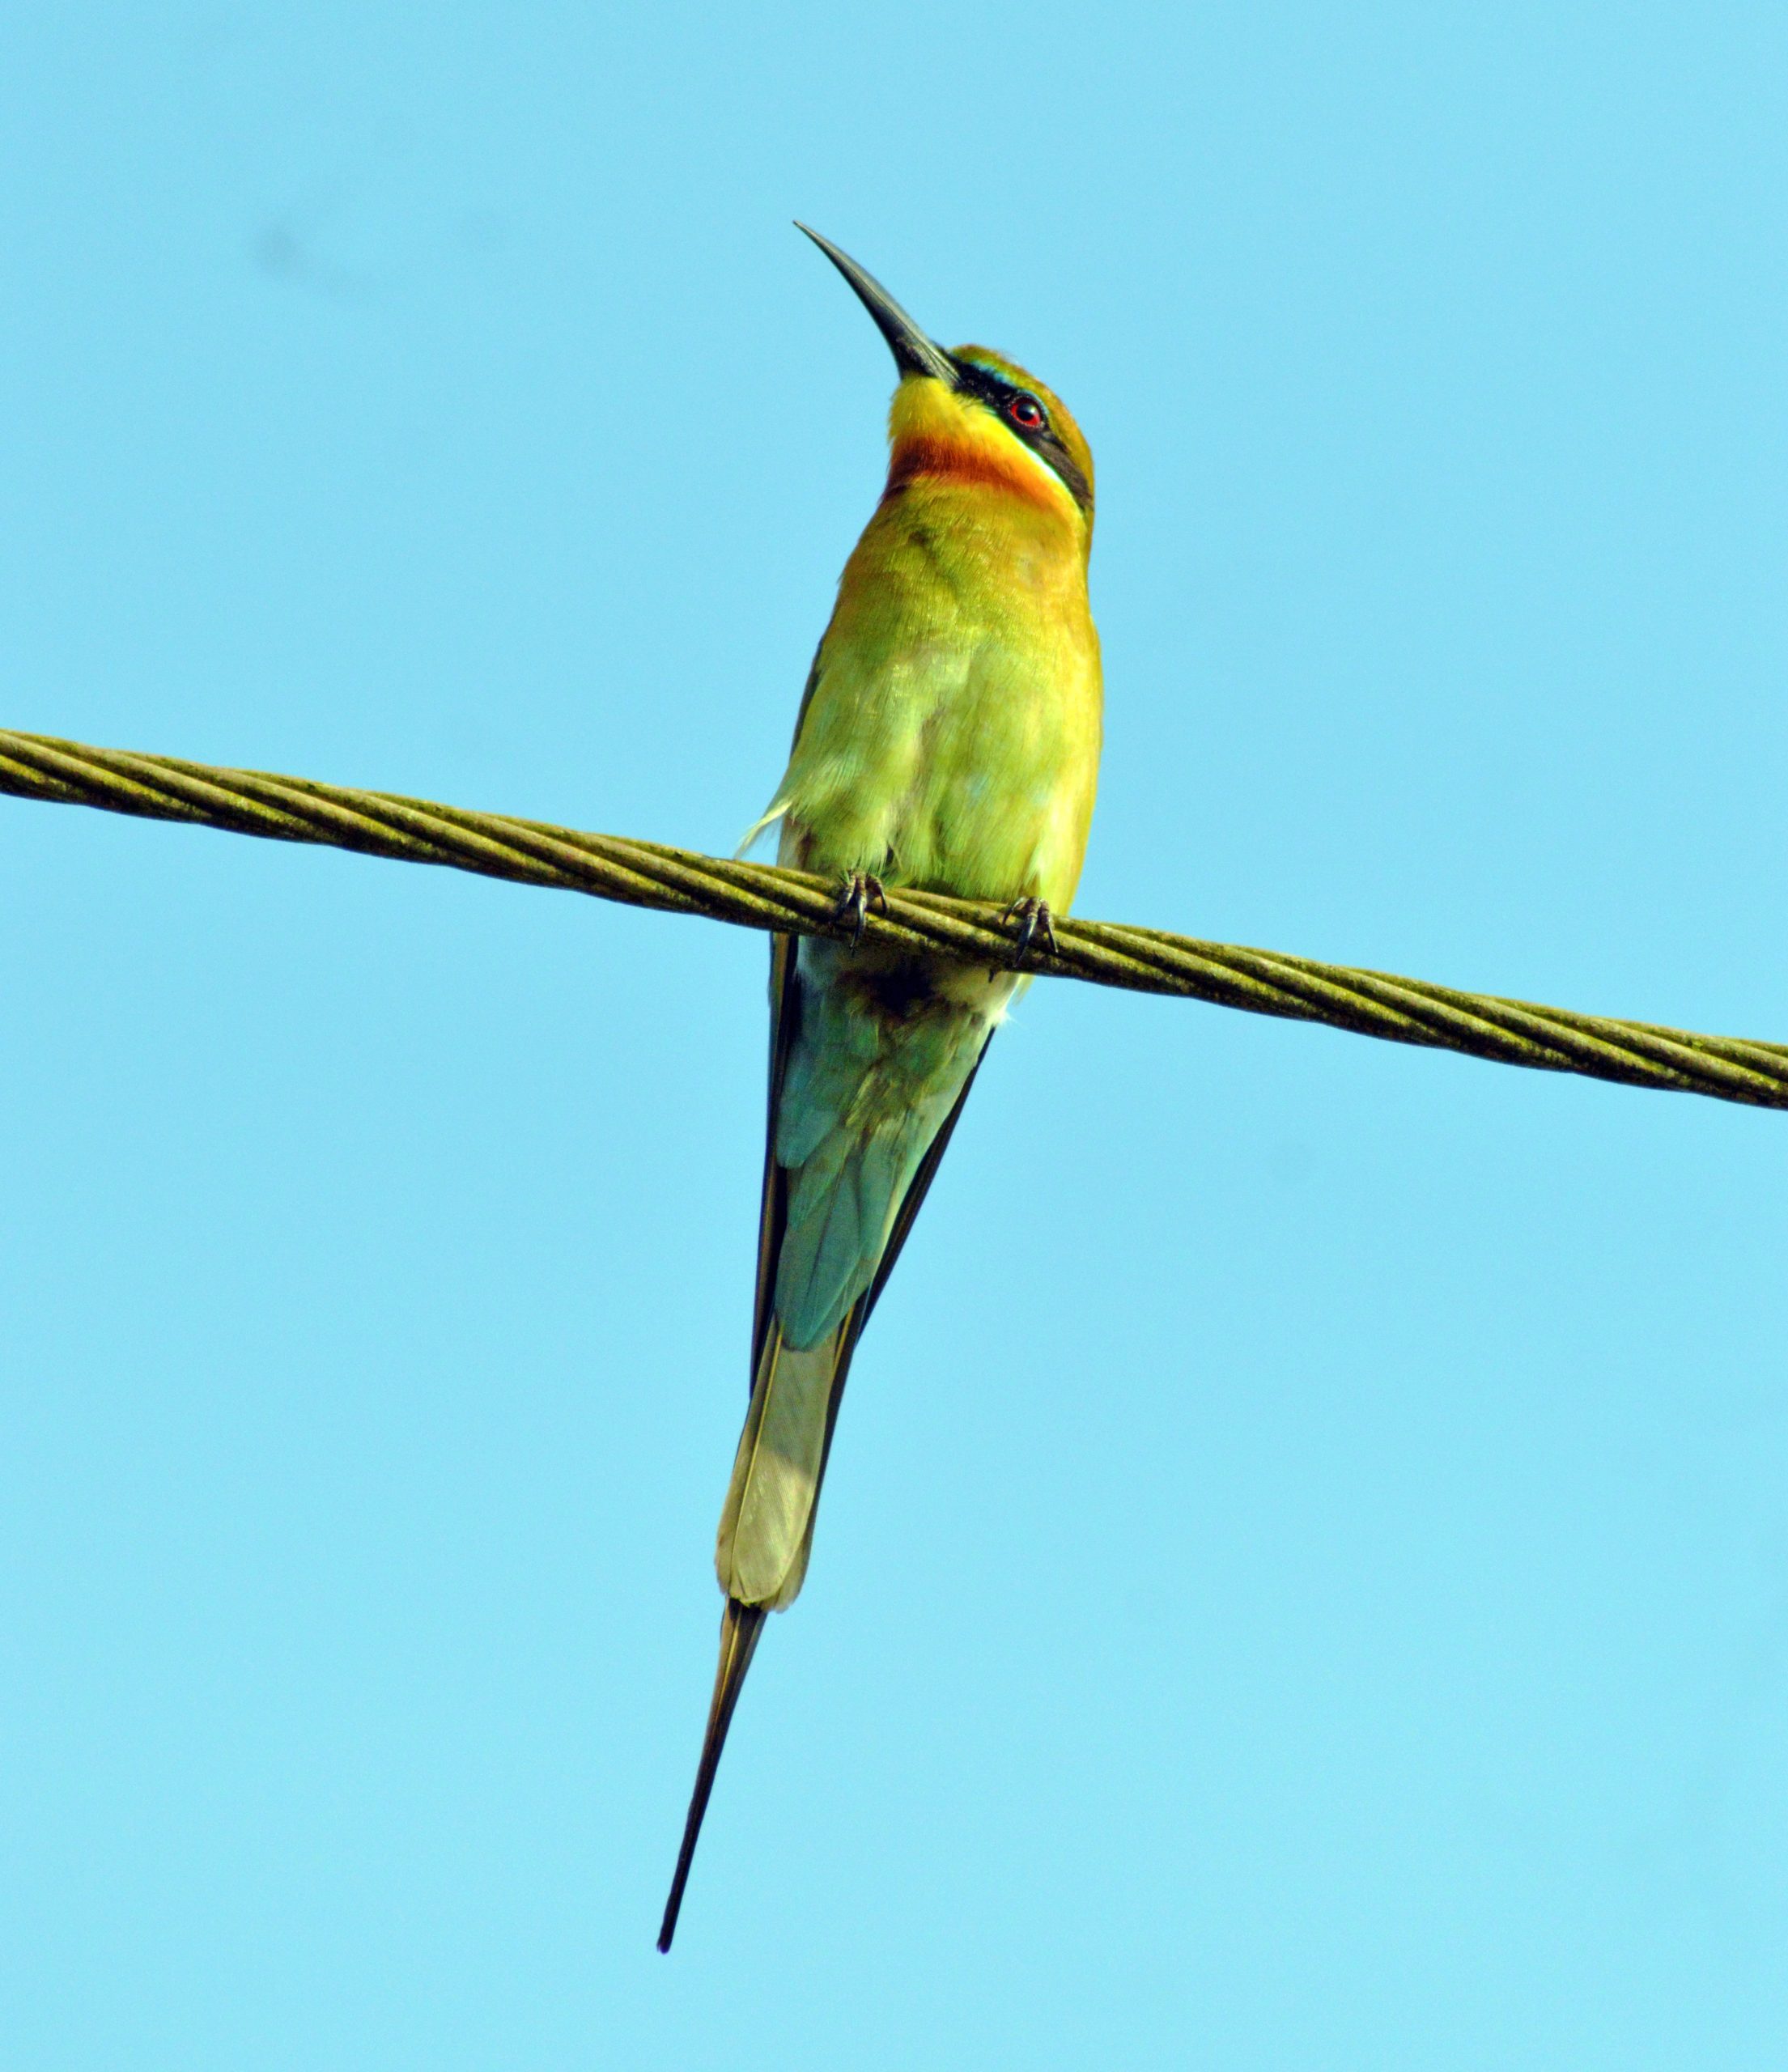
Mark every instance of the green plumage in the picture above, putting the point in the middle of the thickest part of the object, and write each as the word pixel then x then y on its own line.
pixel 875 1068
pixel 949 739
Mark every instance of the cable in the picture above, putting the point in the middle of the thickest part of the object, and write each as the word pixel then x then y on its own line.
pixel 763 896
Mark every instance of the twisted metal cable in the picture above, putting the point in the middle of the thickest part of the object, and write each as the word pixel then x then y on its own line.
pixel 762 896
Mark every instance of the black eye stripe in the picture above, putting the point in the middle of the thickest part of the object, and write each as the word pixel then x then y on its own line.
pixel 987 388
pixel 999 395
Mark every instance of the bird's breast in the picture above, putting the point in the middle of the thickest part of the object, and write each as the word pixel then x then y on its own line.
pixel 951 739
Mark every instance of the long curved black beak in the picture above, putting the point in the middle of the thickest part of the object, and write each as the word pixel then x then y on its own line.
pixel 913 352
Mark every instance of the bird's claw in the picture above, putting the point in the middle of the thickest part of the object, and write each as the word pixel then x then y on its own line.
pixel 861 891
pixel 1033 919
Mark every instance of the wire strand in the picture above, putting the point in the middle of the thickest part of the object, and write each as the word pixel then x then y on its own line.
pixel 764 896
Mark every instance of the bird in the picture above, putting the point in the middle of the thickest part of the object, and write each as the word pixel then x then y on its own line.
pixel 948 739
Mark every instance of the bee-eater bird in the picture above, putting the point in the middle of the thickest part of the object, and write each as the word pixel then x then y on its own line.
pixel 949 738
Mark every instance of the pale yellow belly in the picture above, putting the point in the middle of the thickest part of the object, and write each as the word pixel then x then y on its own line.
pixel 970 772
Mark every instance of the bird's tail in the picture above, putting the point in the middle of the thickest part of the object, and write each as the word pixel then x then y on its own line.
pixel 740 1626
pixel 766 1523
pixel 766 1531
pixel 862 1104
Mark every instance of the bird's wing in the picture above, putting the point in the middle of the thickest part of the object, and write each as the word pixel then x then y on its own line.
pixel 773 1216
pixel 773 1213
pixel 914 1196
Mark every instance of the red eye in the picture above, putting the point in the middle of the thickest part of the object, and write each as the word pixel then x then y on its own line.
pixel 1026 412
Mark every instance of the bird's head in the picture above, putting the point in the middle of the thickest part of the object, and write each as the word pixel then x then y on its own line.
pixel 971 415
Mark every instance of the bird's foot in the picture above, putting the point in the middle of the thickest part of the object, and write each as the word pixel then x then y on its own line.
pixel 1034 919
pixel 861 892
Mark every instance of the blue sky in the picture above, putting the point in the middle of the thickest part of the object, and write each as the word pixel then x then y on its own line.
pixel 1304 1579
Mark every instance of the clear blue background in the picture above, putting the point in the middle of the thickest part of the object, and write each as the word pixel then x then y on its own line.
pixel 1305 1575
